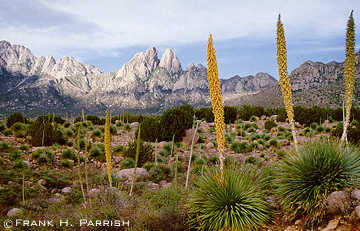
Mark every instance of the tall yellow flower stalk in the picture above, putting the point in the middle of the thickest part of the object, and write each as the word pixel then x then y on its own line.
pixel 349 73
pixel 107 144
pixel 216 100
pixel 284 78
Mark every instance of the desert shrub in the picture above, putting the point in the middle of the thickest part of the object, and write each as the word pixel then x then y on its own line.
pixel 145 153
pixel 241 133
pixel 266 136
pixel 353 134
pixel 68 132
pixel 5 146
pixel 175 121
pixel 113 130
pixel 148 165
pixel 68 154
pixel 19 129
pixel 280 154
pixel 251 130
pixel 151 129
pixel 161 159
pixel 230 114
pixel 251 160
pixel 240 147
pixel 127 163
pixel 94 119
pixel 269 124
pixel 66 163
pixel 159 172
pixel 166 150
pixel 314 125
pixel 43 156
pixel 15 155
pixel 2 127
pixel 24 147
pixel 214 160
pixel 273 142
pixel 230 161
pixel 96 133
pixel 20 165
pixel 66 124
pixel 246 111
pixel 104 179
pixel 320 128
pixel 327 129
pixel 43 129
pixel 7 132
pixel 205 113
pixel 261 141
pixel 237 204
pixel 200 161
pixel 307 178
pixel 253 119
pixel 97 152
pixel 15 117
pixel 118 149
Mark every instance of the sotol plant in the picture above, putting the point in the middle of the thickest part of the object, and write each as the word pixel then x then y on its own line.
pixel 107 144
pixel 349 72
pixel 216 100
pixel 284 78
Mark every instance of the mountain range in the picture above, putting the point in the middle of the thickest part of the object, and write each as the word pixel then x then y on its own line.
pixel 149 84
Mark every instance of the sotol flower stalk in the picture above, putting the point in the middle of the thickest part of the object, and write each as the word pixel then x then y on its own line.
pixel 107 144
pixel 216 100
pixel 284 78
pixel 349 73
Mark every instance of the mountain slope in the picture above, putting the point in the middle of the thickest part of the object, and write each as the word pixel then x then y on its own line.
pixel 146 83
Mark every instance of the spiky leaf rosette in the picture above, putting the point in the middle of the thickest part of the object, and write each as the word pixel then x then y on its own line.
pixel 216 99
pixel 349 71
pixel 107 144
pixel 284 77
pixel 306 178
pixel 235 203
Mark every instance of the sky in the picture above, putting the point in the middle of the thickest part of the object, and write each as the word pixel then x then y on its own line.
pixel 108 33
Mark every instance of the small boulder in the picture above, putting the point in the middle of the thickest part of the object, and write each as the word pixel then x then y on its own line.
pixel 338 202
pixel 209 145
pixel 331 225
pixel 284 142
pixel 66 190
pixel 357 211
pixel 355 194
pixel 127 174
pixel 14 212
pixel 134 124
pixel 187 140
pixel 93 192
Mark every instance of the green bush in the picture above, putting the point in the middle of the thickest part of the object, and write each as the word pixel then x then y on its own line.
pixel 179 165
pixel 200 161
pixel 148 166
pixel 20 165
pixel 230 114
pixel 237 204
pixel 240 147
pixel 273 142
pixel 253 119
pixel 2 127
pixel 118 149
pixel 251 160
pixel 68 132
pixel 15 117
pixel 127 163
pixel 159 172
pixel 353 134
pixel 5 146
pixel 145 153
pixel 269 124
pixel 7 132
pixel 166 150
pixel 204 113
pixel 68 154
pixel 214 160
pixel 15 155
pixel 43 156
pixel 175 121
pixel 97 152
pixel 151 129
pixel 230 161
pixel 19 129
pixel 24 147
pixel 241 133
pixel 314 125
pixel 307 178
pixel 66 163
pixel 161 159
pixel 43 129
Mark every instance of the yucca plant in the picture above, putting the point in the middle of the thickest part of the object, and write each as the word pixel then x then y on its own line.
pixel 284 78
pixel 216 100
pixel 191 154
pixel 349 72
pixel 234 203
pixel 107 144
pixel 136 158
pixel 307 177
pixel 79 161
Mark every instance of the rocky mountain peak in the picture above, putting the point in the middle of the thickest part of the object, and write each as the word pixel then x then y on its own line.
pixel 170 62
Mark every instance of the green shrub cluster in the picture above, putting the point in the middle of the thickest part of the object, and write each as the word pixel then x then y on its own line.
pixel 145 153
pixel 44 131
pixel 15 117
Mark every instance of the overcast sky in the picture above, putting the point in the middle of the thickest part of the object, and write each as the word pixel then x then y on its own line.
pixel 108 33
